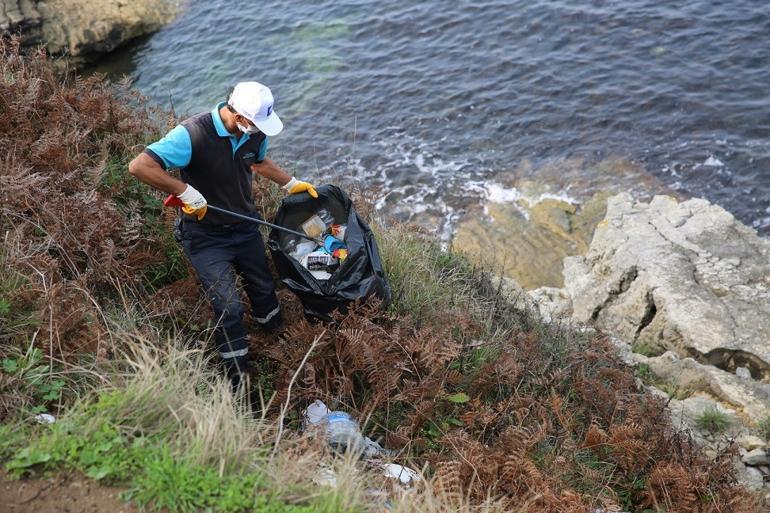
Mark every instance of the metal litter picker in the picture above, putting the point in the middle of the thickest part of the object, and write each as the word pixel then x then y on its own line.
pixel 173 201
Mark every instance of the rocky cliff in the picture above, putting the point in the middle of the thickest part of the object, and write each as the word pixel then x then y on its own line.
pixel 685 277
pixel 684 291
pixel 82 29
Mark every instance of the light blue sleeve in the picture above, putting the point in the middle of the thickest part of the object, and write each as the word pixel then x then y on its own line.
pixel 175 149
pixel 262 150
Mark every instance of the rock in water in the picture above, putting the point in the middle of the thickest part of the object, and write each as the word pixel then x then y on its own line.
pixel 83 29
pixel 527 240
pixel 681 276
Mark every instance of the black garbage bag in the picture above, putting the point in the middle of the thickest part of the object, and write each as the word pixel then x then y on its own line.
pixel 359 276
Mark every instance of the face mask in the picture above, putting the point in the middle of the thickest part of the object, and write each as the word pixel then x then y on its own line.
pixel 247 129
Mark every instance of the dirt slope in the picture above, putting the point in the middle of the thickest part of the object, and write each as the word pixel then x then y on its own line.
pixel 63 493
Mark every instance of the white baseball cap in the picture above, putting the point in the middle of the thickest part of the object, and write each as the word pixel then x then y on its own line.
pixel 254 102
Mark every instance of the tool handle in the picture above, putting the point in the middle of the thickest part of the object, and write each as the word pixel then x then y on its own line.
pixel 173 201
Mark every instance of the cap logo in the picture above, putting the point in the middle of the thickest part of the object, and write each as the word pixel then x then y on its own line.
pixel 269 109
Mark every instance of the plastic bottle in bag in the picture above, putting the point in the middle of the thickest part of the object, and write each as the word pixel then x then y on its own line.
pixel 342 433
pixel 326 217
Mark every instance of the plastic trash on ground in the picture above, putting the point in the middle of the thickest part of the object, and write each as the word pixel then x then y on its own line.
pixel 316 412
pixel 404 474
pixel 340 429
pixel 372 448
pixel 342 433
pixel 325 477
pixel 45 418
pixel 360 277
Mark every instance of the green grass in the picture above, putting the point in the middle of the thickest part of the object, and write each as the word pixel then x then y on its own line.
pixel 34 378
pixel 713 421
pixel 16 307
pixel 421 275
pixel 644 372
pixel 764 427
pixel 167 427
pixel 648 377
pixel 157 478
pixel 645 349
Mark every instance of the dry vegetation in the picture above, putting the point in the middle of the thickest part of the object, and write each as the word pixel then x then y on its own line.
pixel 74 225
pixel 501 411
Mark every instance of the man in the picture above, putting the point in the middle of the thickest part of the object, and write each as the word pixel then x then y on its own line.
pixel 217 153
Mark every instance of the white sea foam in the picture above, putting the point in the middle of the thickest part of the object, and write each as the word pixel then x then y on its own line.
pixel 497 193
pixel 562 196
pixel 712 161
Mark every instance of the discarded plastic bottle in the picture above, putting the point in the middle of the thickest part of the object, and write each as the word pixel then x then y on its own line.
pixel 326 217
pixel 342 433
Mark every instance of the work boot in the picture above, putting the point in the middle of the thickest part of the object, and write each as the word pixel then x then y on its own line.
pixel 236 380
pixel 274 325
pixel 235 369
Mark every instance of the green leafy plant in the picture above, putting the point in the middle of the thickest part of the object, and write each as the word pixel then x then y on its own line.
pixel 672 390
pixel 459 398
pixel 5 306
pixel 36 379
pixel 644 372
pixel 713 421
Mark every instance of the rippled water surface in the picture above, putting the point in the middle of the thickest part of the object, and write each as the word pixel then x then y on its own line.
pixel 432 100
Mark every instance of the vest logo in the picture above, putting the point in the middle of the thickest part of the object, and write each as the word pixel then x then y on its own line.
pixel 249 155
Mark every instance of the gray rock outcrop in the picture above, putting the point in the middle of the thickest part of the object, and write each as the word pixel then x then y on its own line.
pixel 751 399
pixel 683 291
pixel 82 29
pixel 677 276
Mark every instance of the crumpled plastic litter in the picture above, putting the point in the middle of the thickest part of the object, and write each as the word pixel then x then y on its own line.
pixel 314 227
pixel 318 260
pixel 331 244
pixel 325 477
pixel 338 230
pixel 372 448
pixel 404 474
pixel 321 275
pixel 45 418
pixel 302 249
pixel 316 413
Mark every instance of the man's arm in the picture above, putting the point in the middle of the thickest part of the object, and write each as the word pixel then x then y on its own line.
pixel 146 170
pixel 271 171
pixel 173 151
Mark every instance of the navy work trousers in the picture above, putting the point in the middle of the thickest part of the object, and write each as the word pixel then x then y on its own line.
pixel 217 253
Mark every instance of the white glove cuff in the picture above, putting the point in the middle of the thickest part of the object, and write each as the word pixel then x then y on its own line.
pixel 190 195
pixel 291 184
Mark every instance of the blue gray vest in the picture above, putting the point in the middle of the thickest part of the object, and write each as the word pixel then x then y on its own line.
pixel 222 177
